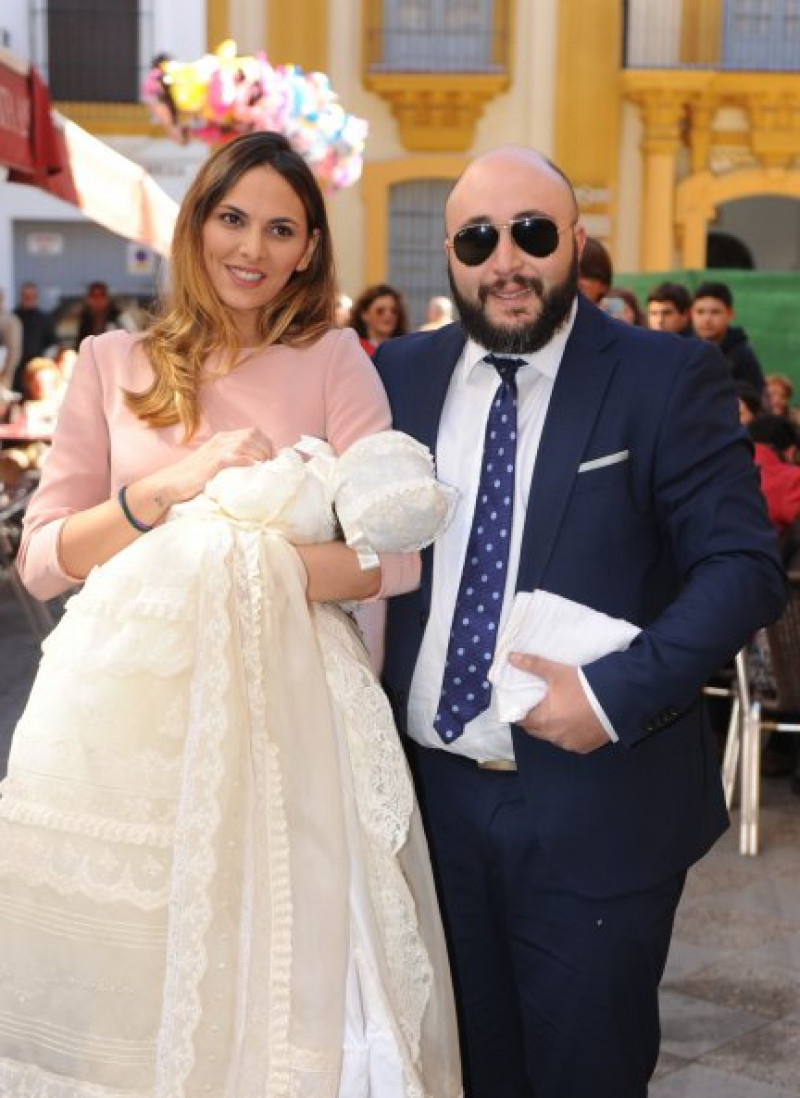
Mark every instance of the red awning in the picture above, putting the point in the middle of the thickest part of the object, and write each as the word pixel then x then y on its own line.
pixel 29 143
pixel 40 148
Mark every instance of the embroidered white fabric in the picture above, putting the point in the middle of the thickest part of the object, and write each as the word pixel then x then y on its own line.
pixel 386 493
pixel 213 879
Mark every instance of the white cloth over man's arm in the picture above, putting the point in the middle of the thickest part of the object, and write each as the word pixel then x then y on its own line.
pixel 548 625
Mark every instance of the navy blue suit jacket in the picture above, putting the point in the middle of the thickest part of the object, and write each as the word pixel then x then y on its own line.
pixel 674 539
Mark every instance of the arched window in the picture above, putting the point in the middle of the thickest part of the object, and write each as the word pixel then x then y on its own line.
pixel 417 265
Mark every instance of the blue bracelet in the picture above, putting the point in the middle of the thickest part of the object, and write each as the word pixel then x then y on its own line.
pixel 142 527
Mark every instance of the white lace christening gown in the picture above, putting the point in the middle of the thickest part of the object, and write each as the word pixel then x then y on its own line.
pixel 213 878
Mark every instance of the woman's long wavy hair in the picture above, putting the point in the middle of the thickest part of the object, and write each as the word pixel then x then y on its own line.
pixel 193 322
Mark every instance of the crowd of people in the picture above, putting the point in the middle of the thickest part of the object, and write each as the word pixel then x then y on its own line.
pixel 765 400
pixel 216 848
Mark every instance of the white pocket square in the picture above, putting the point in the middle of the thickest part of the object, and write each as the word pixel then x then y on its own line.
pixel 607 459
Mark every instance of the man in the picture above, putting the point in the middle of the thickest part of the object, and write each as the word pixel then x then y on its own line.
pixel 10 344
pixel 39 337
pixel 100 313
pixel 561 843
pixel 669 308
pixel 712 313
pixel 438 313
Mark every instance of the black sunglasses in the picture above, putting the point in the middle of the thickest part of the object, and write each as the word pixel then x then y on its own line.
pixel 538 236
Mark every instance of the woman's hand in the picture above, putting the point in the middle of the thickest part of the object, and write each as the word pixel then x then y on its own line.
pixel 91 537
pixel 189 476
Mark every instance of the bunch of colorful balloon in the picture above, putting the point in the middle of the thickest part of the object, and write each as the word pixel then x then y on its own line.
pixel 222 95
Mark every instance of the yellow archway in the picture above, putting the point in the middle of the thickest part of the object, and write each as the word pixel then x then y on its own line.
pixel 699 196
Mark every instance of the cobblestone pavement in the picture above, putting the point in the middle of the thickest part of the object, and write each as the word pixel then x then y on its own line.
pixel 731 995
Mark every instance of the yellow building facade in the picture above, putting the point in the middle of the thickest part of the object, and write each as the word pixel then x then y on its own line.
pixel 654 147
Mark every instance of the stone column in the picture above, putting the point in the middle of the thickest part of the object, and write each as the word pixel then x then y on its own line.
pixel 662 115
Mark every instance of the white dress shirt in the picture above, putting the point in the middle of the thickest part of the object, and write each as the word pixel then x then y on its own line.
pixel 459 452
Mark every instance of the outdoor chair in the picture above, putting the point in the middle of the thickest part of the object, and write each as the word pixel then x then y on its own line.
pixel 37 614
pixel 751 714
pixel 781 714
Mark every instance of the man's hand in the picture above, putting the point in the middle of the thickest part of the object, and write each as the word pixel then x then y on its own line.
pixel 564 717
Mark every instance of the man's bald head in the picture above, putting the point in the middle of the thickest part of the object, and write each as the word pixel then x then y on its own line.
pixel 492 165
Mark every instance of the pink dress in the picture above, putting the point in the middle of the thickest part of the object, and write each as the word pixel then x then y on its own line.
pixel 330 391
pixel 213 874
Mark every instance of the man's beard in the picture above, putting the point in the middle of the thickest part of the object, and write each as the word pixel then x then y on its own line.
pixel 518 340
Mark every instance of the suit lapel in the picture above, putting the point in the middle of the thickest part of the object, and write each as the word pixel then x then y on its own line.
pixel 440 361
pixel 583 376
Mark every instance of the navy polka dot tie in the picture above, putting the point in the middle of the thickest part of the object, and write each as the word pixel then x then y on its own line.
pixel 473 634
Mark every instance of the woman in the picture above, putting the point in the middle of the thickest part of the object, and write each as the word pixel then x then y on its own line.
pixel 379 313
pixel 231 895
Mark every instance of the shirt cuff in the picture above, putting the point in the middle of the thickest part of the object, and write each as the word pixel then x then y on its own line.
pixel 400 573
pixel 599 712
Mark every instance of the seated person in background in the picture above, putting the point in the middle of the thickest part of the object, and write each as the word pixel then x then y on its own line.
pixel 776 440
pixel 438 313
pixel 595 270
pixel 776 445
pixel 712 313
pixel 669 308
pixel 778 396
pixel 20 462
pixel 44 387
pixel 623 304
pixel 42 380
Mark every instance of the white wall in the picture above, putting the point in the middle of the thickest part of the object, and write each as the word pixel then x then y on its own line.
pixel 14 21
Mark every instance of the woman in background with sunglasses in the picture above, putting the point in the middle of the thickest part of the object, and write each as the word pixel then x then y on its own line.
pixel 379 313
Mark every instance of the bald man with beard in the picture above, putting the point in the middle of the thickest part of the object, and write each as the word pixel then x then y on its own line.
pixel 624 484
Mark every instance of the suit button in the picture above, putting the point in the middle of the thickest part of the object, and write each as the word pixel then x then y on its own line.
pixel 649 727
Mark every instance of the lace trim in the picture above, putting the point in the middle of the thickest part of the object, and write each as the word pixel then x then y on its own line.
pixel 197 819
pixel 27 1081
pixel 118 593
pixel 99 872
pixel 271 1009
pixel 111 813
pixel 81 823
pixel 384 801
